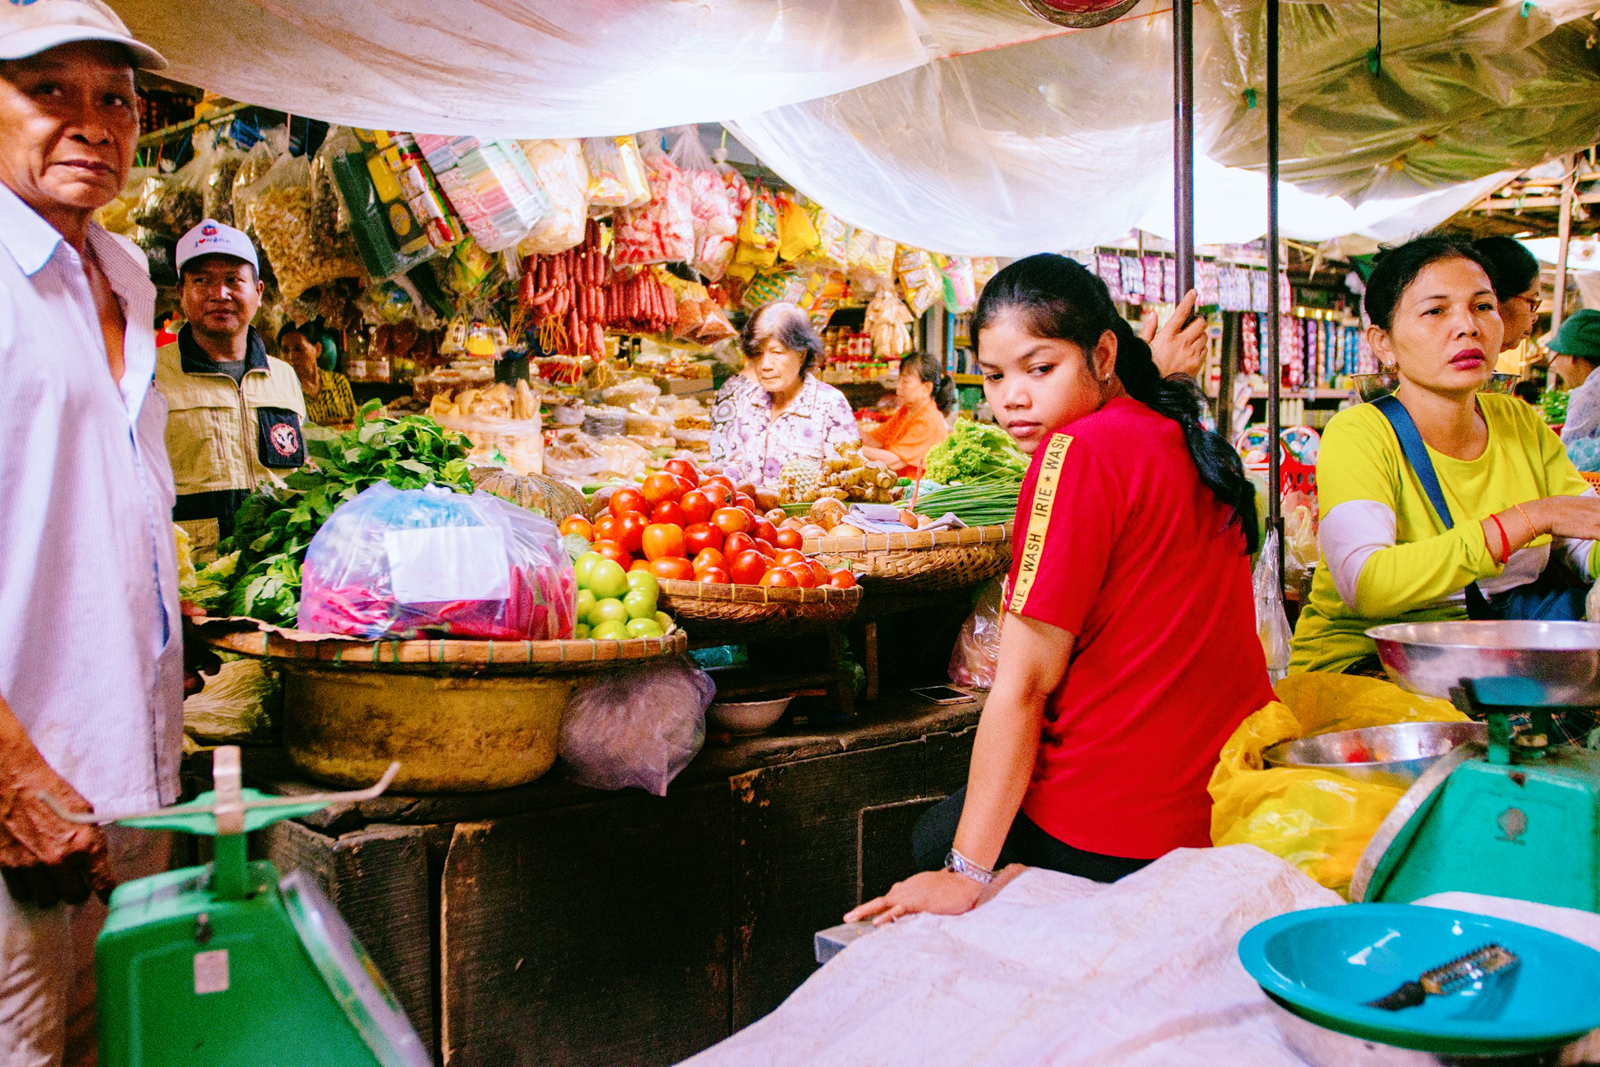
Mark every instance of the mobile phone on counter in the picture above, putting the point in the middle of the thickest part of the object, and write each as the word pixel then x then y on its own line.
pixel 942 694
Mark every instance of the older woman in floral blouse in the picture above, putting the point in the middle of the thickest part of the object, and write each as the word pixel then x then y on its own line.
pixel 777 410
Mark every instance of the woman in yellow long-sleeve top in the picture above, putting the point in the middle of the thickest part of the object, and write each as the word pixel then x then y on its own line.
pixel 1515 503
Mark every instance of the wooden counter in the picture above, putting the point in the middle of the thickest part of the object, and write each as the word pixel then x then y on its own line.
pixel 557 924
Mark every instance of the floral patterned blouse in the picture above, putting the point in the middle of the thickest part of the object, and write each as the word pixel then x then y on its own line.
pixel 744 435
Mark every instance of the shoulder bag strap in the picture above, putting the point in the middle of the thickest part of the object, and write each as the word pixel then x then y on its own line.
pixel 1417 455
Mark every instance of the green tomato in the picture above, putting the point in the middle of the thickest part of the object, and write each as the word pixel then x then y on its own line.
pixel 608 610
pixel 586 602
pixel 640 605
pixel 644 628
pixel 608 579
pixel 609 631
pixel 583 567
pixel 580 632
pixel 644 582
pixel 664 621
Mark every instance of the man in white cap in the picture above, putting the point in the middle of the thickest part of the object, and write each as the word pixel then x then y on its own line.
pixel 91 666
pixel 236 412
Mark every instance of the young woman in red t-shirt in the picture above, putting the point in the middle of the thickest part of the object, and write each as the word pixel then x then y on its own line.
pixel 1128 653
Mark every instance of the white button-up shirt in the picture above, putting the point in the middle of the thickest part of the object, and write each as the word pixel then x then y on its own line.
pixel 90 644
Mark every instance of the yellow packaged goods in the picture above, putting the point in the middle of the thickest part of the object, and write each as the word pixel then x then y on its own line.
pixel 616 172
pixel 833 240
pixel 921 280
pixel 1318 820
pixel 796 234
pixel 564 176
pixel 758 231
pixel 871 255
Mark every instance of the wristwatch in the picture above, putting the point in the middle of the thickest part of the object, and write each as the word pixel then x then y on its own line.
pixel 967 869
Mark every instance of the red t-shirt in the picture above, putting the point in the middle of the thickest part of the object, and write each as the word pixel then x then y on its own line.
pixel 1118 542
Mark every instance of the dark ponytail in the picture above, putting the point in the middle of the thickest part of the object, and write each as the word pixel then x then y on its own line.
pixel 1058 297
pixel 930 370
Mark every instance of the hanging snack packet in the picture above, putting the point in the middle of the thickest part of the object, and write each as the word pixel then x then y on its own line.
pixel 662 230
pixel 872 256
pixel 222 163
pixel 564 176
pixel 713 209
pixel 281 206
pixel 616 172
pixel 921 280
pixel 984 268
pixel 758 231
pixel 796 234
pixel 960 293
pixel 490 185
pixel 388 235
pixel 833 240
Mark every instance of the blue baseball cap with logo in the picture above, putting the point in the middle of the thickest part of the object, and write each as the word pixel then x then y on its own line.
pixel 212 238
pixel 28 27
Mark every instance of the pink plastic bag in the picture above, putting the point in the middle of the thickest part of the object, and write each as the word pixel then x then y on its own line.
pixel 636 726
pixel 662 230
pixel 977 650
pixel 396 563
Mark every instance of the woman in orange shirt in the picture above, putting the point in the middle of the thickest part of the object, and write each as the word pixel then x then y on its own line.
pixel 927 395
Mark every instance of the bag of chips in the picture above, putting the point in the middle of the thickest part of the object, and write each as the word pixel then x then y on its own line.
pixel 662 230
pixel 564 177
pixel 616 172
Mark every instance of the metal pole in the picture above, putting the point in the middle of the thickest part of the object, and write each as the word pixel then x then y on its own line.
pixel 1563 242
pixel 1274 333
pixel 1183 140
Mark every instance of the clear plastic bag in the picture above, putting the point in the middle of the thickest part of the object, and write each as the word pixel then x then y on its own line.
pixel 977 651
pixel 616 172
pixel 490 185
pixel 393 563
pixel 170 204
pixel 117 216
pixel 920 277
pixel 637 726
pixel 1318 820
pixel 257 162
pixel 662 230
pixel 564 176
pixel 714 213
pixel 1272 624
pixel 303 254
pixel 221 167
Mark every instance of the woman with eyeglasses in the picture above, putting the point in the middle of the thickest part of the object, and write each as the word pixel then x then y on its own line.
pixel 1514 273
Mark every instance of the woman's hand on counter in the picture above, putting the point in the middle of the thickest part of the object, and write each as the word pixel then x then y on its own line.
pixel 1575 517
pixel 937 892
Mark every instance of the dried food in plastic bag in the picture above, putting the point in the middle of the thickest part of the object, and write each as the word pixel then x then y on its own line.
pixel 636 726
pixel 489 184
pixel 216 181
pixel 977 651
pixel 281 206
pixel 330 222
pixel 833 240
pixel 871 255
pixel 160 254
pixel 616 172
pixel 394 563
pixel 257 162
pixel 923 284
pixel 662 230
pixel 564 176
pixel 169 204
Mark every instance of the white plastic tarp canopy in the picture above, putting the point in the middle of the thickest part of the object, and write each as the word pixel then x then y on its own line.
pixel 959 125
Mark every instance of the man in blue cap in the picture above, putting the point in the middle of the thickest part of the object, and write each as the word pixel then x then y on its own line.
pixel 236 415
pixel 1576 348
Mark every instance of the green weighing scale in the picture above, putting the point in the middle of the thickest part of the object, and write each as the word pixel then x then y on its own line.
pixel 1518 817
pixel 231 965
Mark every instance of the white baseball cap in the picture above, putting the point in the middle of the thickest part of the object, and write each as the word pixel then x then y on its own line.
pixel 28 27
pixel 212 238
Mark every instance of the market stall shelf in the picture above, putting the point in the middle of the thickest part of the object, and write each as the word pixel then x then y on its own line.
pixel 919 561
pixel 748 612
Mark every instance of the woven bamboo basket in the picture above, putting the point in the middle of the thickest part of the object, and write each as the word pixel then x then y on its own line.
pixel 443 656
pixel 919 561
pixel 746 612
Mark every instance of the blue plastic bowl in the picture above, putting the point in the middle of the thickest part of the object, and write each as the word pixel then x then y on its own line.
pixel 1324 964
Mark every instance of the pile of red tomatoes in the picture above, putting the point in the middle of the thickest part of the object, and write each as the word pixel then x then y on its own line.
pixel 682 526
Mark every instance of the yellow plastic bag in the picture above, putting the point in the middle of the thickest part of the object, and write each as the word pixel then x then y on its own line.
pixel 1317 820
pixel 796 234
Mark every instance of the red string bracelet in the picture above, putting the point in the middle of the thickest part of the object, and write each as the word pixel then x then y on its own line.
pixel 1505 542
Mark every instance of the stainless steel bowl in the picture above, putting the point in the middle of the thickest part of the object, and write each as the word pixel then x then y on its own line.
pixel 1370 387
pixel 1387 755
pixel 1560 659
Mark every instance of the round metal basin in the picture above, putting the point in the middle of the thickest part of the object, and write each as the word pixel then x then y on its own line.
pixel 1387 755
pixel 1558 661
pixel 451 734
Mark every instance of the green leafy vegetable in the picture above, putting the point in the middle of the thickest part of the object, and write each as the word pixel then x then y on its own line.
pixel 259 573
pixel 1554 405
pixel 979 504
pixel 976 452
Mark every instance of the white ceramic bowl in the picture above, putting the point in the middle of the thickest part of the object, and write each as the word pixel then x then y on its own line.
pixel 746 717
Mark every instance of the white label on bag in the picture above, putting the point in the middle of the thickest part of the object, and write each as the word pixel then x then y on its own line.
pixel 448 563
pixel 211 972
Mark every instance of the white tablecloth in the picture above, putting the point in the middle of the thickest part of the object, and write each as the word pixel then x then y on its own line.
pixel 1059 971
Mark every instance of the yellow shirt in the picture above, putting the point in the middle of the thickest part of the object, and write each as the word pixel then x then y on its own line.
pixel 1384 555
